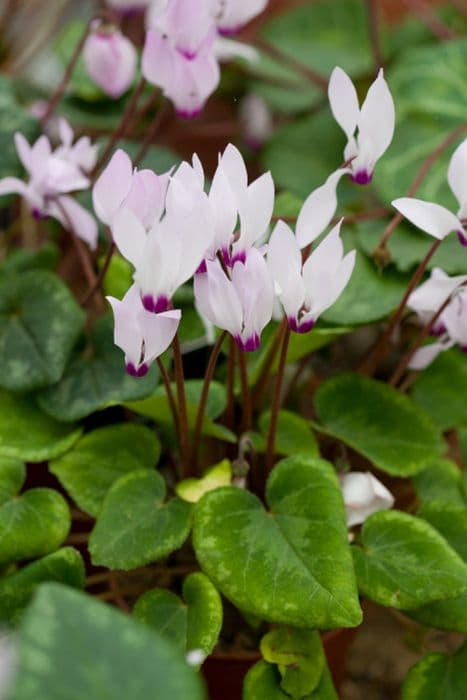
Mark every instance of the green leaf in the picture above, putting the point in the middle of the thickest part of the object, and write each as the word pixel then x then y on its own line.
pixel 193 623
pixel 192 490
pixel 262 682
pixel 14 118
pixel 16 590
pixel 95 380
pixel 379 422
pixel 294 434
pixel 451 522
pixel 118 278
pixel 12 476
pixel 100 457
pixel 441 481
pixel 440 390
pixel 39 323
pixel 450 614
pixel 135 526
pixel 71 646
pixel 23 259
pixel 437 677
pixel 404 563
pixel 432 80
pixel 290 565
pixel 28 434
pixel 33 524
pixel 299 656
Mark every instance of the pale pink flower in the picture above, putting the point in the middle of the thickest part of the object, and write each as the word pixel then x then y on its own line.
pixel 110 59
pixel 231 15
pixel 363 495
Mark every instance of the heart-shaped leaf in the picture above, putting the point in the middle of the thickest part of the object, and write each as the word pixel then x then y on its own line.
pixel 135 526
pixel 16 590
pixel 102 456
pixel 263 681
pixel 440 390
pixel 379 422
pixel 39 323
pixel 441 481
pixel 294 434
pixel 437 677
pixel 96 380
pixel 28 434
pixel 193 623
pixel 90 650
pixel 192 490
pixel 291 564
pixel 451 522
pixel 33 524
pixel 12 476
pixel 404 563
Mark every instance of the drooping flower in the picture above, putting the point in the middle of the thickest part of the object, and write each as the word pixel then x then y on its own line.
pixel 110 59
pixel 53 174
pixel 231 15
pixel 375 122
pixel 307 290
pixel 429 296
pixel 122 186
pixel 231 196
pixel 238 299
pixel 256 120
pixel 142 335
pixel 168 255
pixel 363 495
pixel 433 218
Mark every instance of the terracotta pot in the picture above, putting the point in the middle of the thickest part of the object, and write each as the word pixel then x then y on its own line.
pixel 224 673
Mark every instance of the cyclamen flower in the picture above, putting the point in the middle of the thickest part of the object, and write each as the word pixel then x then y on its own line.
pixel 307 290
pixel 53 174
pixel 240 302
pixel 231 195
pixel 142 335
pixel 429 296
pixel 231 15
pixel 435 219
pixel 122 186
pixel 375 122
pixel 110 59
pixel 363 495
pixel 173 249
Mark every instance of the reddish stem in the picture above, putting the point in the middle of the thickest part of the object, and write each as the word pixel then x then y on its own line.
pixel 309 73
pixel 372 13
pixel 276 401
pixel 247 418
pixel 182 408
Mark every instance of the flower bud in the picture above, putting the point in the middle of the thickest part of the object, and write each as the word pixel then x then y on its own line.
pixel 110 59
pixel 363 495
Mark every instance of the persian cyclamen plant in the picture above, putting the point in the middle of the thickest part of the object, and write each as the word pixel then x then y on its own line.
pixel 219 416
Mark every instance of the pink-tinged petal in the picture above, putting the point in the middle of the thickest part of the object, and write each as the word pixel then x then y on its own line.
pixel 112 186
pixel 255 209
pixel 218 300
pixel 363 495
pixel 158 331
pixel 223 204
pixel 285 263
pixel 318 210
pixel 192 83
pixel 129 235
pixel 157 271
pixel 344 101
pixel 228 50
pixel 24 151
pixel 457 177
pixel 66 132
pixel 425 355
pixel 110 60
pixel 146 198
pixel 377 119
pixel 232 15
pixel 254 285
pixel 158 60
pixel 70 213
pixel 39 156
pixel 429 217
pixel 188 22
pixel 13 185
pixel 234 167
pixel 127 331
pixel 62 175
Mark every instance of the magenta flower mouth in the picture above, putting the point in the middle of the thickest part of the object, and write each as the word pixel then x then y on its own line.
pixel 298 327
pixel 38 214
pixel 362 177
pixel 462 238
pixel 189 113
pixel 156 306
pixel 202 268
pixel 250 344
pixel 140 371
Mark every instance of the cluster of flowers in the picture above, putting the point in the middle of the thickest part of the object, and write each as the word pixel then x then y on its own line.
pixel 184 43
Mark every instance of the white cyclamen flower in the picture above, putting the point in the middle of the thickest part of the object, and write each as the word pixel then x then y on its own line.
pixel 363 495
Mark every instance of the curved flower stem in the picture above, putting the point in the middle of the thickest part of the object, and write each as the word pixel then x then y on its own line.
pixel 424 333
pixel 100 278
pixel 381 252
pixel 230 410
pixel 276 401
pixel 170 394
pixel 246 396
pixel 311 75
pixel 260 384
pixel 203 400
pixel 430 19
pixel 182 409
pixel 380 349
pixel 372 13
pixel 121 128
pixel 159 119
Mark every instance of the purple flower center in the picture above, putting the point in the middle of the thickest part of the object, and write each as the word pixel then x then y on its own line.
pixel 362 177
pixel 202 268
pixel 155 306
pixel 229 31
pixel 250 344
pixel 438 329
pixel 189 55
pixel 300 327
pixel 141 371
pixel 189 113
pixel 462 238
pixel 38 214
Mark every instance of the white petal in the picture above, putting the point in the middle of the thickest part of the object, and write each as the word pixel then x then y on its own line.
pixel 427 298
pixel 66 132
pixel 112 186
pixel 318 209
pixel 158 331
pixel 228 50
pixel 285 263
pixel 377 119
pixel 425 355
pixel 363 495
pixel 429 217
pixel 129 235
pixel 254 285
pixel 127 333
pixel 455 318
pixel 457 177
pixel 218 300
pixel 24 150
pixel 344 101
pixel 255 209
pixel 13 185
pixel 235 169
pixel 83 223
pixel 223 205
